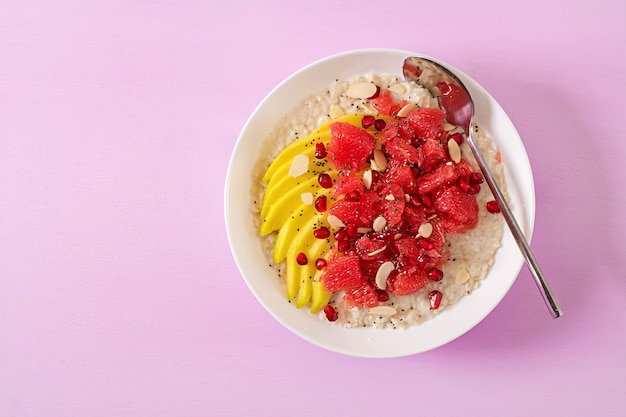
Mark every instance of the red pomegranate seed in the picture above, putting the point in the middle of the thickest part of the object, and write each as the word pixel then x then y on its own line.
pixel 426 244
pixel 435 299
pixel 352 231
pixel 376 94
pixel 475 178
pixel 368 121
pixel 340 234
pixel 493 207
pixel 382 296
pixel 458 138
pixel 320 150
pixel 435 274
pixel 463 184
pixel 380 124
pixel 331 313
pixel 320 263
pixel 422 260
pixel 325 180
pixel 353 196
pixel 301 258
pixel 320 203
pixel 415 200
pixel 321 233
pixel 343 245
pixel 428 200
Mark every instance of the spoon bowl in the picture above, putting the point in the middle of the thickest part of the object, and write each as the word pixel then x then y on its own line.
pixel 456 101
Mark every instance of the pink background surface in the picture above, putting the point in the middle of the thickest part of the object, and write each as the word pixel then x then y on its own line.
pixel 118 292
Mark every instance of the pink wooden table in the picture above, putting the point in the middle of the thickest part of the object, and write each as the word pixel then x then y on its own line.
pixel 118 293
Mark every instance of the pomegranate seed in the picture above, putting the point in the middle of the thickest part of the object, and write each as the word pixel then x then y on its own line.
pixel 415 200
pixel 475 178
pixel 435 299
pixel 353 196
pixel 493 207
pixel 463 184
pixel 376 94
pixel 325 180
pixel 415 171
pixel 343 245
pixel 321 233
pixel 426 244
pixel 302 259
pixel 428 200
pixel 435 274
pixel 368 121
pixel 422 260
pixel 375 177
pixel 320 203
pixel 380 124
pixel 340 234
pixel 382 296
pixel 352 231
pixel 320 263
pixel 458 138
pixel 331 313
pixel 320 150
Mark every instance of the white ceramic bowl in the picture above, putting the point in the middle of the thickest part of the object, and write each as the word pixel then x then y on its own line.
pixel 262 280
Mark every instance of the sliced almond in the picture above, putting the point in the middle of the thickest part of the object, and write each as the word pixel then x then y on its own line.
pixel 377 251
pixel 462 277
pixel 379 223
pixel 382 311
pixel 361 90
pixel 448 127
pixel 398 88
pixel 307 198
pixel 397 236
pixel 406 109
pixel 454 151
pixel 336 112
pixel 383 273
pixel 367 179
pixel 299 165
pixel 390 197
pixel 425 230
pixel 379 160
pixel 335 221
pixel 407 198
pixel 363 230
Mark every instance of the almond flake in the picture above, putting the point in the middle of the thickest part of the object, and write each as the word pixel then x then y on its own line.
pixel 398 88
pixel 382 311
pixel 367 179
pixel 335 221
pixel 383 273
pixel 361 90
pixel 380 162
pixel 390 197
pixel 454 151
pixel 408 108
pixel 425 230
pixel 336 112
pixel 377 251
pixel 307 198
pixel 397 236
pixel 448 127
pixel 407 198
pixel 379 223
pixel 462 277
pixel 363 230
pixel 299 165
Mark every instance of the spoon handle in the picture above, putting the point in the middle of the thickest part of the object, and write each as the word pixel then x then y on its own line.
pixel 540 280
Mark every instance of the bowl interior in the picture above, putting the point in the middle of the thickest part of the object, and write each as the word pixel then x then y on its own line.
pixel 262 280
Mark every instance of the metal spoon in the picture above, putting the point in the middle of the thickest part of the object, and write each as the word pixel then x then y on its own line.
pixel 459 106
